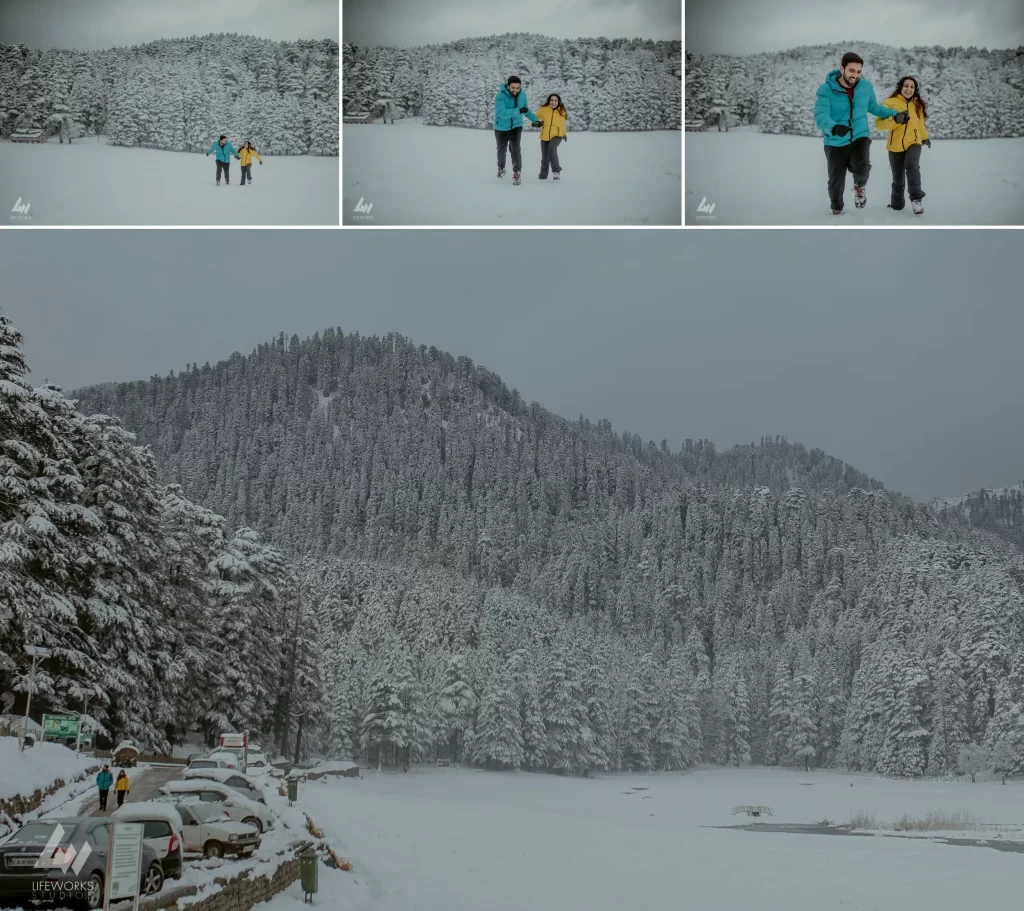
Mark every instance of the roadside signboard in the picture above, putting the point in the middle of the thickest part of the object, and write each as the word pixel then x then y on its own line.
pixel 60 727
pixel 124 863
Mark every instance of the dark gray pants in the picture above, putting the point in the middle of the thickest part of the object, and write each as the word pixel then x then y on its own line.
pixel 509 139
pixel 855 157
pixel 224 166
pixel 549 156
pixel 906 170
pixel 246 172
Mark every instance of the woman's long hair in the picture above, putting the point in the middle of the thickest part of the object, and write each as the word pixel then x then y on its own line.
pixel 922 105
pixel 561 107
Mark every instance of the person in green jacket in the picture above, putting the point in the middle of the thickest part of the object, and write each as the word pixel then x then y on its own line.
pixel 224 151
pixel 104 781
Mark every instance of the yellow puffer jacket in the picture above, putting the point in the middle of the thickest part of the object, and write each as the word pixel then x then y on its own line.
pixel 554 122
pixel 247 155
pixel 902 136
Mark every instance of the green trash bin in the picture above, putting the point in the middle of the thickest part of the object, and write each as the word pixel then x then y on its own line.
pixel 308 872
pixel 293 790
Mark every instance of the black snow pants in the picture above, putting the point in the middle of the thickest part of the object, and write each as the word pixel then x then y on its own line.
pixel 103 799
pixel 854 157
pixel 224 165
pixel 246 172
pixel 509 139
pixel 549 156
pixel 906 172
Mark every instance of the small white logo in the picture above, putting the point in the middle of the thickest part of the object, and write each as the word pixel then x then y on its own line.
pixel 21 208
pixel 55 858
pixel 363 206
pixel 705 207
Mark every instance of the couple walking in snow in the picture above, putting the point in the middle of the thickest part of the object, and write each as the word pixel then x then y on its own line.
pixel 841 111
pixel 510 105
pixel 225 151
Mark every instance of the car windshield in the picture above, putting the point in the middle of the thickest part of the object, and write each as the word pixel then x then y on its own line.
pixel 35 832
pixel 206 813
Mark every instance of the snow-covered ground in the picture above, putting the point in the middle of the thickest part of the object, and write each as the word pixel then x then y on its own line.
pixel 24 773
pixel 423 175
pixel 755 178
pixel 90 183
pixel 460 840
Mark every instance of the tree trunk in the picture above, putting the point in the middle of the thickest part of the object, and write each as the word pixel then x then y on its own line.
pixel 298 739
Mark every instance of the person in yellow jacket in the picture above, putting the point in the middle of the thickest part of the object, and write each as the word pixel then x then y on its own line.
pixel 551 118
pixel 121 786
pixel 907 135
pixel 247 153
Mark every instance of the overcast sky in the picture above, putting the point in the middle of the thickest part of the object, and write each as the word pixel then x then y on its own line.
pixel 99 24
pixel 413 23
pixel 752 26
pixel 907 365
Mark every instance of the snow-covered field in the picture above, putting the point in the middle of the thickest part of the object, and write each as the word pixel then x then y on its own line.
pixel 460 840
pixel 90 183
pixel 755 178
pixel 37 768
pixel 423 175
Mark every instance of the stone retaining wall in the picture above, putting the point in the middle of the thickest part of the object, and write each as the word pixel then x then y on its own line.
pixel 20 804
pixel 238 893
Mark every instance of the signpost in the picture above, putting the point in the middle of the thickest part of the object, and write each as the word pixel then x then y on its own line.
pixel 124 864
pixel 60 727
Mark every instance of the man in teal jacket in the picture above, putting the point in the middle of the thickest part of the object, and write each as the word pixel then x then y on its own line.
pixel 509 106
pixel 104 781
pixel 841 110
pixel 224 151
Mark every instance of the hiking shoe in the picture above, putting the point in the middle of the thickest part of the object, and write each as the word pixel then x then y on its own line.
pixel 558 175
pixel 501 172
pixel 918 206
pixel 860 196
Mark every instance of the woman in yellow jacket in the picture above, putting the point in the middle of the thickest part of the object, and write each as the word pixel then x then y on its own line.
pixel 552 132
pixel 247 153
pixel 907 134
pixel 121 786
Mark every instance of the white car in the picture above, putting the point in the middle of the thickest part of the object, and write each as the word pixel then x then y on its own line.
pixel 209 831
pixel 256 760
pixel 208 762
pixel 239 808
pixel 161 831
pixel 228 757
pixel 241 782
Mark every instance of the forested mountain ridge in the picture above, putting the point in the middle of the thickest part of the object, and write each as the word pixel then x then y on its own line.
pixel 179 94
pixel 971 93
pixel 491 580
pixel 606 84
pixel 996 510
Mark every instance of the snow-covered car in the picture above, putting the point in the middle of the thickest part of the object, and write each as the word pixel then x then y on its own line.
pixel 241 782
pixel 28 136
pixel 239 808
pixel 209 831
pixel 126 755
pixel 256 760
pixel 207 762
pixel 161 831
pixel 228 757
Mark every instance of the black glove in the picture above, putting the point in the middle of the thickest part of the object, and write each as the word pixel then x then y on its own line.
pixel 928 143
pixel 902 117
pixel 840 129
pixel 523 110
pixel 207 154
pixel 565 139
pixel 261 162
pixel 238 158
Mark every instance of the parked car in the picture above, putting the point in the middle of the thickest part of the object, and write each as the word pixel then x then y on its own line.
pixel 28 136
pixel 228 757
pixel 256 760
pixel 241 782
pixel 239 808
pixel 22 881
pixel 126 755
pixel 206 762
pixel 211 832
pixel 161 831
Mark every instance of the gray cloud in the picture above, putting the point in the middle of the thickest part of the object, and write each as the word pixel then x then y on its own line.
pixel 908 367
pixel 752 26
pixel 101 24
pixel 411 23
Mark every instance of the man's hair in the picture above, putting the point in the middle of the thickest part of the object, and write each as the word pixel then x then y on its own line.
pixel 223 137
pixel 512 79
pixel 850 57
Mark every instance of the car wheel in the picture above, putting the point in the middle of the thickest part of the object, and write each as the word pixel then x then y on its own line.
pixel 153 882
pixel 213 849
pixel 93 892
pixel 253 821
